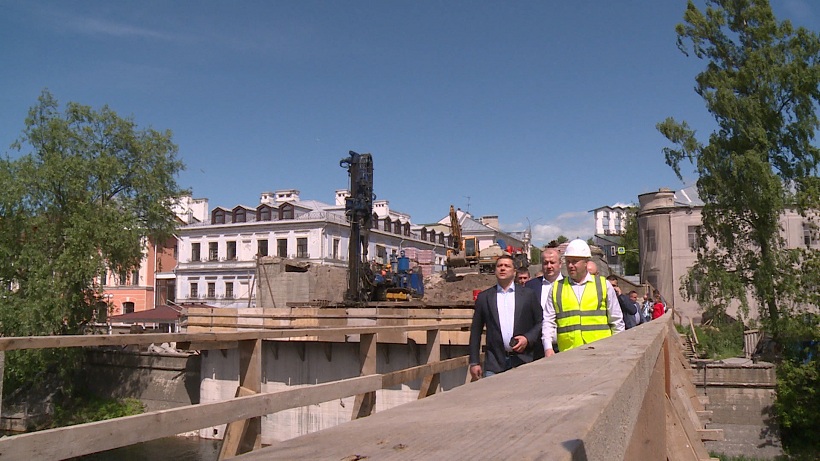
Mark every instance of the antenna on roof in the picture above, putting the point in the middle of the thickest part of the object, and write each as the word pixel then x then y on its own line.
pixel 468 202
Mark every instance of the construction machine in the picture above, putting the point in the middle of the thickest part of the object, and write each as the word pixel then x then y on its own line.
pixel 359 213
pixel 462 258
pixel 369 281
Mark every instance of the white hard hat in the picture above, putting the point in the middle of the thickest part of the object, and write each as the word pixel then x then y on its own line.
pixel 578 248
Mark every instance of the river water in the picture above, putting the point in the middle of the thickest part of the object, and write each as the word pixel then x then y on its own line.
pixel 171 448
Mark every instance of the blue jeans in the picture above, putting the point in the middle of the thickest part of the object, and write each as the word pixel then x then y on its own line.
pixel 507 366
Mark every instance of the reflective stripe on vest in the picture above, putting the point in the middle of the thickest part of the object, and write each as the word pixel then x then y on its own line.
pixel 583 323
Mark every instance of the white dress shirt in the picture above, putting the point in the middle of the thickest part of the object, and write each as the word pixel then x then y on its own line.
pixel 505 300
pixel 613 309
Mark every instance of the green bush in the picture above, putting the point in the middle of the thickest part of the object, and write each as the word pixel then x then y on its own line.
pixel 720 341
pixel 798 406
pixel 89 408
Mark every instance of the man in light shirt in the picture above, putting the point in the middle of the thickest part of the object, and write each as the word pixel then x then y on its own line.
pixel 580 308
pixel 551 265
pixel 512 316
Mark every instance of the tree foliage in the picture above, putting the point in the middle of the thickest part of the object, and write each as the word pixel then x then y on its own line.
pixel 762 85
pixel 630 242
pixel 86 190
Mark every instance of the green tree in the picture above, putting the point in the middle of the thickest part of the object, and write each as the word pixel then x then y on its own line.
pixel 86 191
pixel 761 84
pixel 631 259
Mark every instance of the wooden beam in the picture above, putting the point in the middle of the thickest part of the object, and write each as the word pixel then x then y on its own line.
pixel 232 438
pixel 711 435
pixel 431 383
pixel 409 374
pixel 83 439
pixel 51 342
pixel 365 403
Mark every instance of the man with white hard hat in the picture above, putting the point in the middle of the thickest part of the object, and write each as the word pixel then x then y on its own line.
pixel 580 308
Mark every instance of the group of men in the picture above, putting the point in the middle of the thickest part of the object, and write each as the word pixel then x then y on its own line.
pixel 530 319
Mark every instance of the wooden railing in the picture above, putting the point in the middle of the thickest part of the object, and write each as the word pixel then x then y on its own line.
pixel 243 413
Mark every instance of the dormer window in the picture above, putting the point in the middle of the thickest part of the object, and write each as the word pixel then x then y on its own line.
pixel 286 211
pixel 387 224
pixel 218 216
pixel 263 213
pixel 239 215
pixel 407 229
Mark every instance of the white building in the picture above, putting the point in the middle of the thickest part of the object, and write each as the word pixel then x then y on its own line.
pixel 611 220
pixel 217 257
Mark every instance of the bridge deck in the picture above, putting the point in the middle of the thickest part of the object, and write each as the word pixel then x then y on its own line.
pixel 602 401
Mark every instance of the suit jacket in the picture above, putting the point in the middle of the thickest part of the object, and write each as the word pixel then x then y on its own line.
pixel 535 285
pixel 528 318
pixel 629 310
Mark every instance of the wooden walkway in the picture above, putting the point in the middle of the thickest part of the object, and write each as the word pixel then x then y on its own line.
pixel 621 398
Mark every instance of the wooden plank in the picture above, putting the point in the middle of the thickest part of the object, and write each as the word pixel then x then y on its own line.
pixel 83 439
pixel 409 374
pixel 715 435
pixel 678 447
pixel 235 430
pixel 431 383
pixel 365 403
pixel 50 342
pixel 704 415
pixel 250 377
pixel 689 429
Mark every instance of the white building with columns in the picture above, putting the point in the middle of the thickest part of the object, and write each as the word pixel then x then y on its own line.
pixel 218 256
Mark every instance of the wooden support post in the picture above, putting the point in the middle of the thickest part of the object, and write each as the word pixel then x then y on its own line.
pixel 366 403
pixel 430 383
pixel 244 436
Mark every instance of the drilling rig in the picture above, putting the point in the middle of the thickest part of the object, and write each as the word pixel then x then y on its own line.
pixel 359 212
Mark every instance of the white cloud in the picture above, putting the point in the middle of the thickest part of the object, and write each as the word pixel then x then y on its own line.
pixel 580 224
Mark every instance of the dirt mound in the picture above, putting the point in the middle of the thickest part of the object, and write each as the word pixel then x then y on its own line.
pixel 437 289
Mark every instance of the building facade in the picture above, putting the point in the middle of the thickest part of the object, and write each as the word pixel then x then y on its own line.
pixel 668 224
pixel 218 256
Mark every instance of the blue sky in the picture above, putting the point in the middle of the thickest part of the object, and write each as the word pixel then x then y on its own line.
pixel 535 111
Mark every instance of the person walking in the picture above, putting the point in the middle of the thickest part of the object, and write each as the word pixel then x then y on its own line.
pixel 580 308
pixel 512 317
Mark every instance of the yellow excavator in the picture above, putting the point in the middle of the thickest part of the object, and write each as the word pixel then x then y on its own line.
pixel 463 257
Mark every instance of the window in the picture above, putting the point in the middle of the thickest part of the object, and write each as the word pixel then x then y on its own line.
pixel 441 238
pixel 263 213
pixel 407 229
pixel 381 254
pixel 213 251
pixel 375 220
pixel 135 278
pixel 194 290
pixel 397 228
pixel 651 245
pixel 123 278
pixel 195 252
pixel 127 307
pixel 286 211
pixel 605 220
pixel 424 233
pixel 262 247
pixel 809 235
pixel 335 249
pixel 239 215
pixel 282 248
pixel 692 234
pixel 229 290
pixel 211 289
pixel 387 223
pixel 231 251
pixel 302 248
pixel 218 216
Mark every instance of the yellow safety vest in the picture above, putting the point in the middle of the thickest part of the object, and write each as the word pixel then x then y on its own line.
pixel 579 325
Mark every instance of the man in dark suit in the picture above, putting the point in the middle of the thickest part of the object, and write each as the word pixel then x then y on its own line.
pixel 551 267
pixel 512 316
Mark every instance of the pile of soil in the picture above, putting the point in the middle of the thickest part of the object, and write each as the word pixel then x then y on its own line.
pixel 437 289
